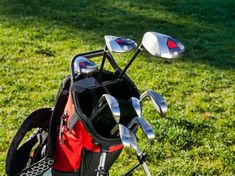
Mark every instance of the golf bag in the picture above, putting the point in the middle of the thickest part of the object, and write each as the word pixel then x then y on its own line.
pixel 95 115
pixel 71 137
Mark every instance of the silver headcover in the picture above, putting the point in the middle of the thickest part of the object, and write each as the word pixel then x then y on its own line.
pixel 162 45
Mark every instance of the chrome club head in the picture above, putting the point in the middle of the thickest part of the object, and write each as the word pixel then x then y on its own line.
pixel 136 104
pixel 119 44
pixel 115 110
pixel 113 105
pixel 134 143
pixel 158 101
pixel 162 45
pixel 145 126
pixel 83 65
pixel 125 135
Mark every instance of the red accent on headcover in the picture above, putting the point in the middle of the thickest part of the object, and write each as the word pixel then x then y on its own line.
pixel 171 44
pixel 68 155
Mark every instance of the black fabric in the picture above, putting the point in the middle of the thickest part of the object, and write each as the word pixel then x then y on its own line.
pixel 97 138
pixel 58 173
pixel 120 89
pixel 104 122
pixel 90 161
pixel 88 104
pixel 23 153
pixel 37 119
pixel 18 157
pixel 60 103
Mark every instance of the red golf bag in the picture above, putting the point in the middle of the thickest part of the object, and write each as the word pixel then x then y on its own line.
pixel 71 137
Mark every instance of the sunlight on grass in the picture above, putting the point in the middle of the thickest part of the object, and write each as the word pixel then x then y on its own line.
pixel 39 38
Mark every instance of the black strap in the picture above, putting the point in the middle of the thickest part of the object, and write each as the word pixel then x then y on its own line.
pixel 61 101
pixel 37 119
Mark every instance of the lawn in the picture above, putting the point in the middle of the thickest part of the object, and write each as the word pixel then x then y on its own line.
pixel 197 137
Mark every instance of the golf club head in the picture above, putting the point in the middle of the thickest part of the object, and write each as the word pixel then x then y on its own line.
pixel 162 45
pixel 133 122
pixel 125 135
pixel 146 127
pixel 134 143
pixel 113 105
pixel 158 101
pixel 83 65
pixel 136 104
pixel 119 44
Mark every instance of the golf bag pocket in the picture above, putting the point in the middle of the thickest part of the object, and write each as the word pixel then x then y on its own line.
pixel 75 147
pixel 90 161
pixel 69 148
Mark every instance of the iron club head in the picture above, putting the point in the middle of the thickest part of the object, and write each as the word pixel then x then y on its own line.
pixel 113 105
pixel 158 101
pixel 144 125
pixel 136 105
pixel 125 135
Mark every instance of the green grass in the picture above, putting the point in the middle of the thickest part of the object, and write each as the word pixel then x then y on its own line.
pixel 197 137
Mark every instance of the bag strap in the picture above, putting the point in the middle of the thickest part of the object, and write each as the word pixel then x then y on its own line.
pixel 37 119
pixel 58 111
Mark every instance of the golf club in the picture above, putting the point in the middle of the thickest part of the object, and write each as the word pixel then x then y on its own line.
pixel 162 45
pixel 141 157
pixel 119 44
pixel 84 66
pixel 113 105
pixel 115 44
pixel 145 126
pixel 115 110
pixel 125 135
pixel 157 100
pixel 158 44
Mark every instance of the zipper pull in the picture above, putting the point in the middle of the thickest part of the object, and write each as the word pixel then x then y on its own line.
pixel 62 127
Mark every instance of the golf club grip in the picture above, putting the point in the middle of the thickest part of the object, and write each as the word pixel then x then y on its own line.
pixel 146 169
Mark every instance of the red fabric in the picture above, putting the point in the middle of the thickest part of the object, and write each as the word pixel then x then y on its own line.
pixel 68 154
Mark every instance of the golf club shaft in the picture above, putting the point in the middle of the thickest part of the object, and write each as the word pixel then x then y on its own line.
pixel 101 166
pixel 146 169
pixel 102 64
pixel 130 62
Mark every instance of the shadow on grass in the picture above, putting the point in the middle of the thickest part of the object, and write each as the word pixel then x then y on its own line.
pixel 205 27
